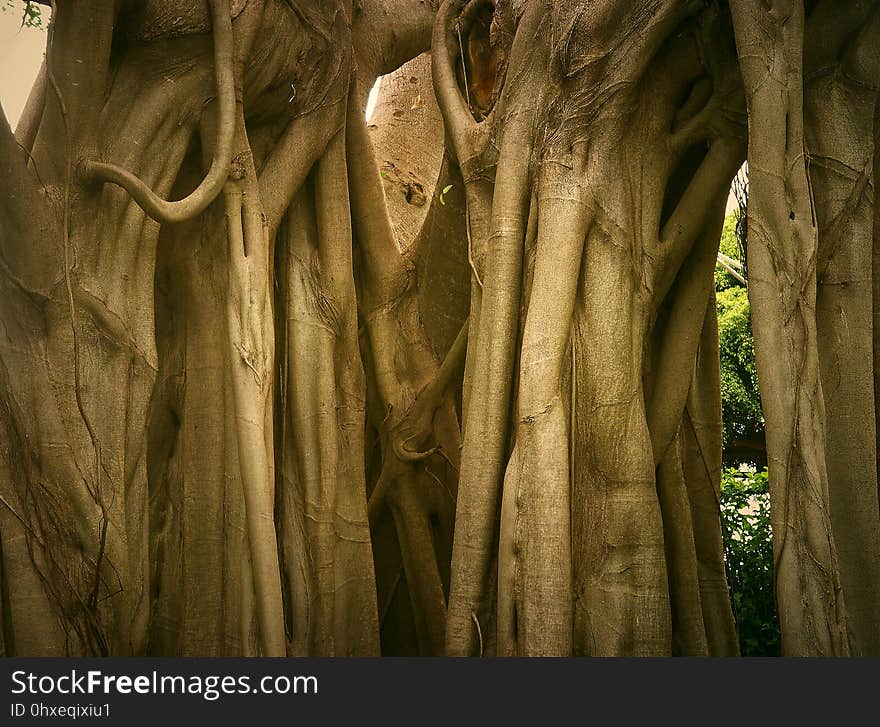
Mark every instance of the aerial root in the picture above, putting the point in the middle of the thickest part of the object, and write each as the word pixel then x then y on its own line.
pixel 211 186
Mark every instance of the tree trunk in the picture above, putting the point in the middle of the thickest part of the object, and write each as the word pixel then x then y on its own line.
pixel 782 253
pixel 241 326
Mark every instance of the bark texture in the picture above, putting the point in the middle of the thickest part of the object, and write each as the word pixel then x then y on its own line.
pixel 276 380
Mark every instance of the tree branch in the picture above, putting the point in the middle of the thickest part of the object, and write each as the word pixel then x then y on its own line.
pixel 712 178
pixel 388 33
pixel 681 335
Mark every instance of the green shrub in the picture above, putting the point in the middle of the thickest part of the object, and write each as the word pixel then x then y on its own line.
pixel 748 554
pixel 740 401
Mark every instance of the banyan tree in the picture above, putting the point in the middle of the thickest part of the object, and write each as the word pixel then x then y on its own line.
pixel 277 379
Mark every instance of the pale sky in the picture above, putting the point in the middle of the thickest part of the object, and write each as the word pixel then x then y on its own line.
pixel 21 53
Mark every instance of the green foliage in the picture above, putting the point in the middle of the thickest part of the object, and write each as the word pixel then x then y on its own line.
pixel 740 400
pixel 729 246
pixel 31 15
pixel 748 554
pixel 745 500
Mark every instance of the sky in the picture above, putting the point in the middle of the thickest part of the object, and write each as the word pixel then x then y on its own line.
pixel 21 53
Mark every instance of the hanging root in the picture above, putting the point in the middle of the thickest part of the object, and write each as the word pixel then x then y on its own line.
pixel 677 341
pixel 493 345
pixel 412 522
pixel 701 463
pixel 169 212
pixel 534 566
pixel 688 630
pixel 250 352
pixel 681 334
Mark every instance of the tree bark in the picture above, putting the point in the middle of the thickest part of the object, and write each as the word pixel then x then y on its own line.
pixel 782 254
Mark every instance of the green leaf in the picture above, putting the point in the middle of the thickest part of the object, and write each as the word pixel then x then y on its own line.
pixel 444 192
